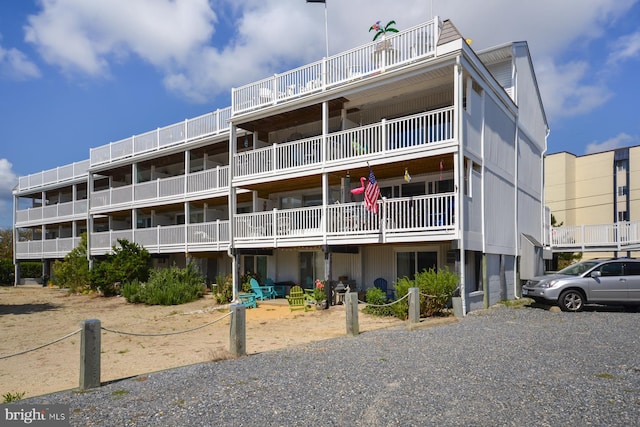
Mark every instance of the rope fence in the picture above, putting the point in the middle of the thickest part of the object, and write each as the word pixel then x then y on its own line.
pixel 41 346
pixel 135 334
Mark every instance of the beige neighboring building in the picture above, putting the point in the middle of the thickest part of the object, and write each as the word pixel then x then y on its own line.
pixel 600 188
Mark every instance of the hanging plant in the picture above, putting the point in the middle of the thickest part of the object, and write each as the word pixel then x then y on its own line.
pixel 380 31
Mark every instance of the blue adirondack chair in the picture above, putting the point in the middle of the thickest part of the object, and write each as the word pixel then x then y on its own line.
pixel 262 292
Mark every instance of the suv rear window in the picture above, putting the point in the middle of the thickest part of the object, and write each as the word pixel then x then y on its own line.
pixel 632 269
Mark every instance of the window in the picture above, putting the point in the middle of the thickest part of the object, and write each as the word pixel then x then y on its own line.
pixel 632 269
pixel 622 190
pixel 256 264
pixel 611 269
pixel 621 165
pixel 410 263
pixel 622 216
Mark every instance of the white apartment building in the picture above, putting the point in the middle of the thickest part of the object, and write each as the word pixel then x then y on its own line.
pixel 455 138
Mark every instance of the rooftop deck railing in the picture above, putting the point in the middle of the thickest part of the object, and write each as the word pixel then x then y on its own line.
pixel 362 62
pixel 54 176
pixel 178 133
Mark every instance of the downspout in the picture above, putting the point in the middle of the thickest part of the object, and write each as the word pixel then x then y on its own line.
pixel 457 86
pixel 232 211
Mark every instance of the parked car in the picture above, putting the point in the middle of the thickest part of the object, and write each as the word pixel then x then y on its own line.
pixel 614 281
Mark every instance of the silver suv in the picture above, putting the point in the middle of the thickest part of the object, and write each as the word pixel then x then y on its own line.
pixel 613 281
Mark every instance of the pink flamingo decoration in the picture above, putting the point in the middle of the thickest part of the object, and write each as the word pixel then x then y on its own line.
pixel 360 189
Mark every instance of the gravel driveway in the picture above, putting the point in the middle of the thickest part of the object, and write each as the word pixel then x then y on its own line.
pixel 503 366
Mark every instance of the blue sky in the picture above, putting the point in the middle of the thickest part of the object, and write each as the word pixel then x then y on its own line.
pixel 78 74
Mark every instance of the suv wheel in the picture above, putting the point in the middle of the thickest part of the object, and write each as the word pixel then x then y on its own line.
pixel 571 300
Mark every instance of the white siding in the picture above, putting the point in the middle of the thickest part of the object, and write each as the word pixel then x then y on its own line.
pixel 531 113
pixel 503 73
pixel 472 120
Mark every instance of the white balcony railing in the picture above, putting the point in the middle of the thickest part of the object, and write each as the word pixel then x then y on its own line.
pixel 362 62
pixel 54 176
pixel 402 219
pixel 179 133
pixel 184 238
pixel 597 237
pixel 165 188
pixel 372 141
pixel 397 216
pixel 53 213
pixel 51 248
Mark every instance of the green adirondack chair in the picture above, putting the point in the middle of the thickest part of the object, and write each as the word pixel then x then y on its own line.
pixel 298 300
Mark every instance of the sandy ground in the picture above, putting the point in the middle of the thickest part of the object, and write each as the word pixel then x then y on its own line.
pixel 34 316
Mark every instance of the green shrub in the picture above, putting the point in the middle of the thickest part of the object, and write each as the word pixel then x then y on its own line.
pixel 7 272
pixel 439 286
pixel 224 289
pixel 435 287
pixel 169 286
pixel 31 269
pixel 376 296
pixel 125 264
pixel 73 271
pixel 401 307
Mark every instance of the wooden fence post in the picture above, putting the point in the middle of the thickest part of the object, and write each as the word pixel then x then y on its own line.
pixel 351 303
pixel 238 336
pixel 414 305
pixel 90 354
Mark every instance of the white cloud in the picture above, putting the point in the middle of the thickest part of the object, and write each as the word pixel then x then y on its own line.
pixel 15 65
pixel 566 90
pixel 626 47
pixel 179 38
pixel 621 140
pixel 81 36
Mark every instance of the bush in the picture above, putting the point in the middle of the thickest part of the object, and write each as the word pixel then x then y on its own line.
pixel 7 272
pixel 376 296
pixel 31 269
pixel 224 289
pixel 73 271
pixel 127 263
pixel 435 287
pixel 170 286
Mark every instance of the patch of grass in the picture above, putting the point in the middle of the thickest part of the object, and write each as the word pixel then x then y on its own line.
pixel 179 402
pixel 126 350
pixel 12 397
pixel 605 376
pixel 119 393
pixel 220 354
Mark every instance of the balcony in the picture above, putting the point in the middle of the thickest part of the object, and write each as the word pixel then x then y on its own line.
pixel 201 237
pixel 59 212
pixel 364 62
pixel 52 248
pixel 407 219
pixel 620 236
pixel 384 139
pixel 180 133
pixel 170 189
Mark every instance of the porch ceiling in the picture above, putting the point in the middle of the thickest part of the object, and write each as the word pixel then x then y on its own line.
pixel 382 172
pixel 287 119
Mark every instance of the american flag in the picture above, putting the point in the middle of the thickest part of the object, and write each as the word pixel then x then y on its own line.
pixel 371 193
